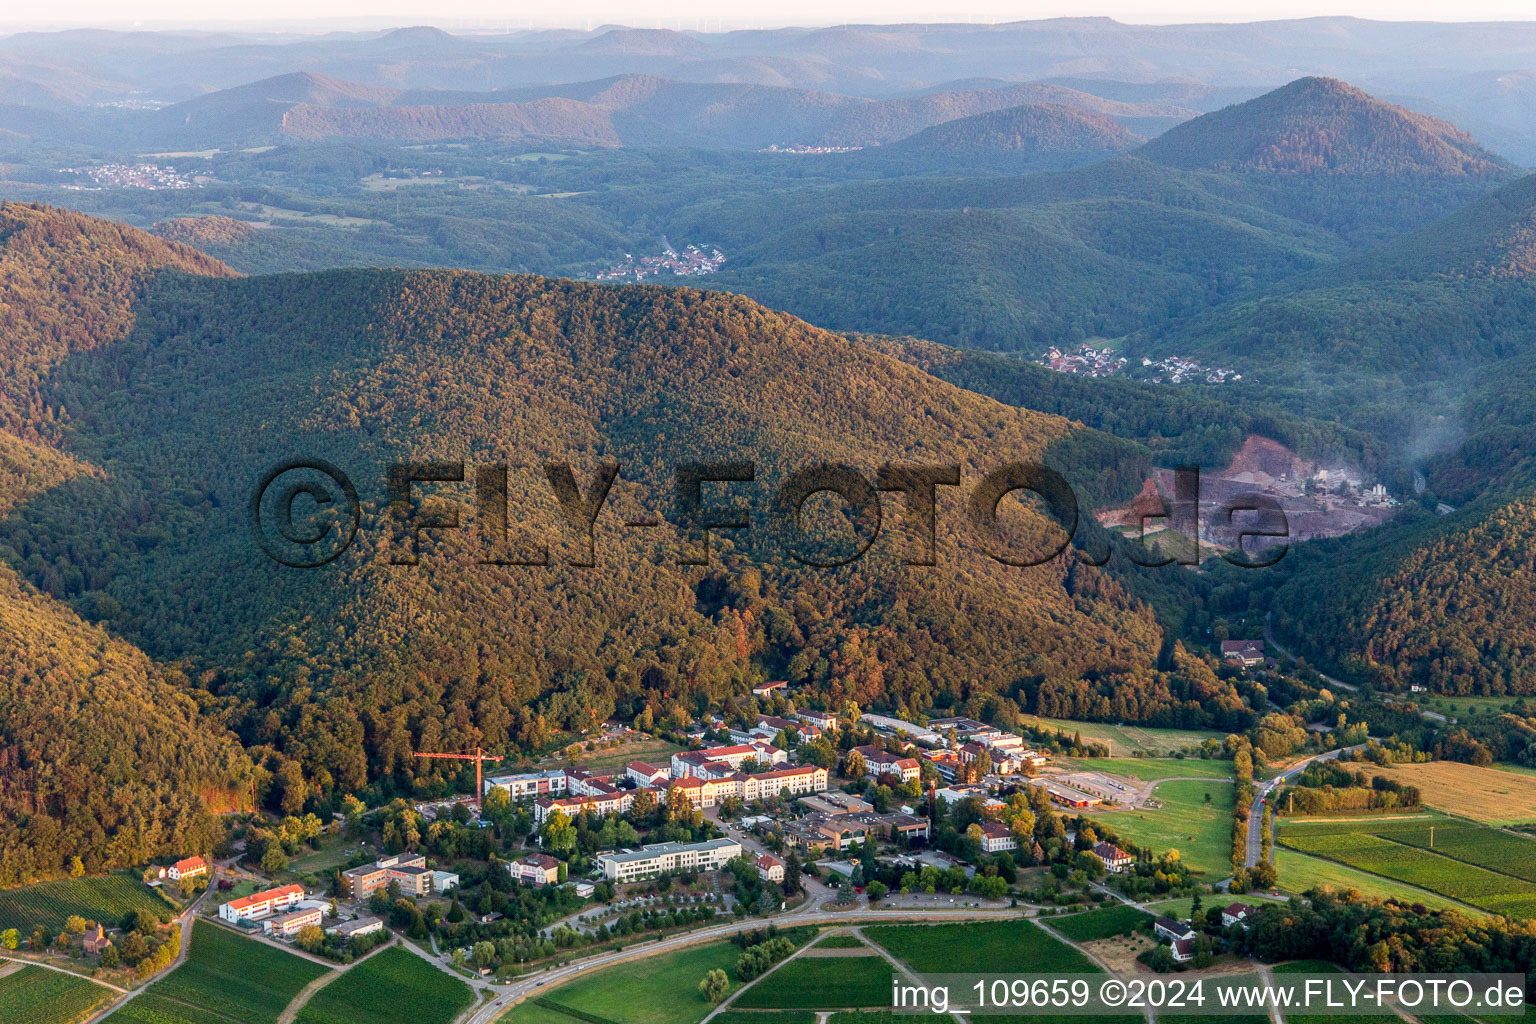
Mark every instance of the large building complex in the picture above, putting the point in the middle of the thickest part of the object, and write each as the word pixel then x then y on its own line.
pixel 658 858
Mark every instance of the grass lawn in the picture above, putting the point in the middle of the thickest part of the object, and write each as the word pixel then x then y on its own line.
pixel 36 995
pixel 1015 946
pixel 105 899
pixel 1125 740
pixel 232 976
pixel 1152 768
pixel 391 987
pixel 1299 872
pixel 823 983
pixel 1101 924
pixel 660 989
pixel 1200 831
pixel 651 751
pixel 334 851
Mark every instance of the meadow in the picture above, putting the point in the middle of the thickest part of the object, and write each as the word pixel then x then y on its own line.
pixel 1492 796
pixel 1150 769
pixel 1455 867
pixel 1125 740
pixel 225 977
pixel 1101 924
pixel 1014 946
pixel 106 899
pixel 36 995
pixel 661 989
pixel 823 983
pixel 393 986
pixel 1200 831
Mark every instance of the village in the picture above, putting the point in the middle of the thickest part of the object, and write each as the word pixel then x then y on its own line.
pixel 1091 361
pixel 693 261
pixel 153 177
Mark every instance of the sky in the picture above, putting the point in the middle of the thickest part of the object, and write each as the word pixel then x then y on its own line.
pixel 319 15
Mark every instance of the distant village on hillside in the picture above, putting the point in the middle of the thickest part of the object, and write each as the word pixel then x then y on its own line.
pixel 693 261
pixel 1089 361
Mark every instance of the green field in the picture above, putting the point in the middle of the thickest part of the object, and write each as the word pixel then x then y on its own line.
pixel 105 899
pixel 226 976
pixel 766 1017
pixel 1150 769
pixel 1399 850
pixel 1101 924
pixel 394 986
pixel 36 995
pixel 823 983
pixel 840 942
pixel 661 989
pixel 1015 946
pixel 1299 872
pixel 1201 832
pixel 1125 740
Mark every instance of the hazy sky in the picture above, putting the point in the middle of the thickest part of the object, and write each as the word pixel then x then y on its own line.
pixel 714 14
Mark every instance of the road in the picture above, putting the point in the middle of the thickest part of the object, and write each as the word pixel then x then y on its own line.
pixel 1264 789
pixel 1269 638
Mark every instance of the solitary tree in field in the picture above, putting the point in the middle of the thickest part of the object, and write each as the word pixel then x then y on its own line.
pixel 715 985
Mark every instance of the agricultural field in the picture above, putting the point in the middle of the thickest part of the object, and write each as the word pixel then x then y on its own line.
pixel 1200 831
pixel 1151 769
pixel 840 942
pixel 393 986
pixel 734 1016
pixel 822 983
pixel 1299 872
pixel 1489 795
pixel 1399 850
pixel 660 989
pixel 1013 947
pixel 225 977
pixel 36 995
pixel 1125 740
pixel 1101 924
pixel 106 899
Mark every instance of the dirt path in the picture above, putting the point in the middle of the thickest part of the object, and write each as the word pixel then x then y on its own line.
pixel 304 995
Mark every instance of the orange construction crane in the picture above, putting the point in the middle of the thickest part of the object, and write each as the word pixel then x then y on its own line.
pixel 479 757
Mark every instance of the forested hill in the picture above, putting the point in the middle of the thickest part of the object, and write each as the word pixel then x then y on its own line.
pixel 104 754
pixel 1039 137
pixel 1323 126
pixel 333 677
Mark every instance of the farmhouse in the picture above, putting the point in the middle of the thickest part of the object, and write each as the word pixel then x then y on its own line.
pixel 1172 930
pixel 1237 914
pixel 657 858
pixel 187 867
pixel 1246 653
pixel 1114 858
pixel 1183 950
pixel 261 904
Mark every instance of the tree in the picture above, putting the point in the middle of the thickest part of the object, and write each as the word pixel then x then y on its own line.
pixel 558 834
pixel 715 985
pixel 273 859
pixel 10 939
pixel 876 891
pixel 109 957
pixel 854 767
pixel 458 959
pixel 484 954
pixel 310 938
pixel 76 867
